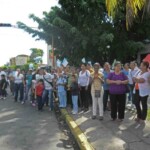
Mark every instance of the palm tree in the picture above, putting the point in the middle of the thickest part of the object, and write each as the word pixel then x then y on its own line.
pixel 132 9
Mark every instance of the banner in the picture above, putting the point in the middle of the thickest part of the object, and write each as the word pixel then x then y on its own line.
pixel 20 61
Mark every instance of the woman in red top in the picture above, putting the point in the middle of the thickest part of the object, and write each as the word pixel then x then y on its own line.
pixel 39 91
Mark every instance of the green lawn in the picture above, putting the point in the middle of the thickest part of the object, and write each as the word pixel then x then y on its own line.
pixel 148 115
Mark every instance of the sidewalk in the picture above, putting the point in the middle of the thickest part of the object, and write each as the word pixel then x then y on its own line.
pixel 109 135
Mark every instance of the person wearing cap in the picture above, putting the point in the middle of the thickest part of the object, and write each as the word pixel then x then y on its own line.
pixel 97 91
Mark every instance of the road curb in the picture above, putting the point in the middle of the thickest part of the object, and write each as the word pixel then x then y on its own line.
pixel 79 136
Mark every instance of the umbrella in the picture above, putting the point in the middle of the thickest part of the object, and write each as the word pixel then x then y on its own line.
pixel 147 58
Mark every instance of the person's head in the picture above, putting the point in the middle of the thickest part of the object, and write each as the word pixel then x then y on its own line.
pixel 117 66
pixel 3 76
pixel 30 71
pixel 18 70
pixel 88 66
pixel 83 66
pixel 106 66
pixel 144 66
pixel 41 71
pixel 41 81
pixel 96 67
pixel 132 64
pixel 73 79
pixel 126 66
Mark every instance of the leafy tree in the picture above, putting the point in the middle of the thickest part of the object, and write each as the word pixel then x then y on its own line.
pixel 35 52
pixel 82 28
pixel 132 9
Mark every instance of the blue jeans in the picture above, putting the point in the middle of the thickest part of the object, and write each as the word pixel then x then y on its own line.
pixel 50 96
pixel 19 88
pixel 75 103
pixel 62 99
pixel 27 89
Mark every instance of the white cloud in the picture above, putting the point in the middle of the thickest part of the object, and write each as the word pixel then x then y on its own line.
pixel 15 41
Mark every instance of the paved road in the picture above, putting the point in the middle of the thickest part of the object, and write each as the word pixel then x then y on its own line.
pixel 22 127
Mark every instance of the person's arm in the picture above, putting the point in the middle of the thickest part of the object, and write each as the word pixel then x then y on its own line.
pixel 139 80
pixel 110 81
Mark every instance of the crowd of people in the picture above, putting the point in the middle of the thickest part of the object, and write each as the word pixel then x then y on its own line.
pixel 104 88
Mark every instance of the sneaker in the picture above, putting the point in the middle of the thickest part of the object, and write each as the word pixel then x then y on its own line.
pixel 93 117
pixel 101 118
pixel 4 98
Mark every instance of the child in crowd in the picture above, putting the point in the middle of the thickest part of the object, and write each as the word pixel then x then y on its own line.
pixel 74 92
pixel 3 86
pixel 39 91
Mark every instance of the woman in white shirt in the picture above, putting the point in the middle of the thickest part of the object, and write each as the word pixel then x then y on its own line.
pixel 143 92
pixel 83 82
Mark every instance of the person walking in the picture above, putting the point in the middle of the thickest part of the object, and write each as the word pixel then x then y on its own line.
pixel 117 87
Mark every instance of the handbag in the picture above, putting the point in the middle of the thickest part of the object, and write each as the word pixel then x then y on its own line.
pixel 97 94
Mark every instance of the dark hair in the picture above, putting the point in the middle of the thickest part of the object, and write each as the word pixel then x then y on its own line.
pixel 41 80
pixel 146 64
pixel 74 76
pixel 117 63
pixel 83 64
pixel 127 64
pixel 3 76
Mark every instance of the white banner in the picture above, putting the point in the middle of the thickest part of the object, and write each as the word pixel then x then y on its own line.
pixel 21 61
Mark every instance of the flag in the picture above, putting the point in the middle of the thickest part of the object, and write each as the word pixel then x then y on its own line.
pixel 90 63
pixel 113 64
pixel 65 62
pixel 83 60
pixel 58 63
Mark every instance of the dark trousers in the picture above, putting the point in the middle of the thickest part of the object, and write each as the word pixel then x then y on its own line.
pixel 131 88
pixel 89 96
pixel 105 99
pixel 3 91
pixel 118 102
pixel 19 89
pixel 84 99
pixel 69 98
pixel 141 109
pixel 40 102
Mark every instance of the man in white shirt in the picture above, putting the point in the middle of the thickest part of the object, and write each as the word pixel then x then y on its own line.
pixel 48 90
pixel 19 85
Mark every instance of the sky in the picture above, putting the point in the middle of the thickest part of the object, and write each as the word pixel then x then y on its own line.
pixel 15 41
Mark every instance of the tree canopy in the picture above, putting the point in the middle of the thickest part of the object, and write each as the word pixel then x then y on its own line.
pixel 82 28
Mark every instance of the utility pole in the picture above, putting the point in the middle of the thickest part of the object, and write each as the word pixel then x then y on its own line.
pixel 53 61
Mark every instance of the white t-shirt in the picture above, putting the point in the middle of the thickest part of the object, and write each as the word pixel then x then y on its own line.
pixel 18 79
pixel 144 88
pixel 84 78
pixel 48 78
